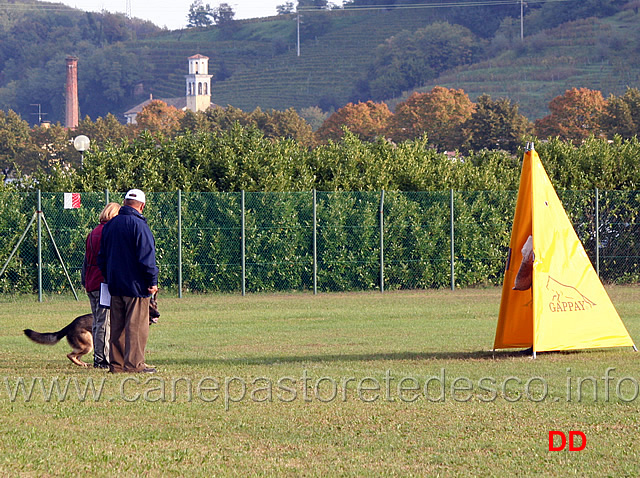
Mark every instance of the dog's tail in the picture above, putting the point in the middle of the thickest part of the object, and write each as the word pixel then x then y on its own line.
pixel 49 338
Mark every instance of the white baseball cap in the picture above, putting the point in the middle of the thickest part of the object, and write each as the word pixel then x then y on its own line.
pixel 136 195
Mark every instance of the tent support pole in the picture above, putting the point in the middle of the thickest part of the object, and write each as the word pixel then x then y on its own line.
pixel 55 248
pixel 33 218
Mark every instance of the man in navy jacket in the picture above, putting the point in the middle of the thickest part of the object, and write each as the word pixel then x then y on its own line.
pixel 127 259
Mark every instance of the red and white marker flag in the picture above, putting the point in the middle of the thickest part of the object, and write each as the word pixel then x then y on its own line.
pixel 71 200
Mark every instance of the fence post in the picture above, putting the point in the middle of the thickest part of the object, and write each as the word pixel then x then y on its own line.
pixel 242 245
pixel 597 233
pixel 39 212
pixel 382 241
pixel 315 243
pixel 106 197
pixel 453 250
pixel 180 243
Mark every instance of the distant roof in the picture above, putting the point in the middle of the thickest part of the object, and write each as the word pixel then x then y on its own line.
pixel 198 56
pixel 178 103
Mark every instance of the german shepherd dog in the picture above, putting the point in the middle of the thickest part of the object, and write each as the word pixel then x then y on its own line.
pixel 79 334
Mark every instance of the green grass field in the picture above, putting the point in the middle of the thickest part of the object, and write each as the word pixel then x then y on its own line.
pixel 327 385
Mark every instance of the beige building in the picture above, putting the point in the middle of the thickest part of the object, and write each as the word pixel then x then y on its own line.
pixel 198 90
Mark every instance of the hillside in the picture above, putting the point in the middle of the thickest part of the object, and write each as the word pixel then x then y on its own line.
pixel 590 44
pixel 599 54
pixel 264 69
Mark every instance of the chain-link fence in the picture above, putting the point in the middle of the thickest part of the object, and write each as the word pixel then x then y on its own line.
pixel 315 241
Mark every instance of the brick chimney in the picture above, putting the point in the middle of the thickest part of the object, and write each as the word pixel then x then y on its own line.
pixel 72 112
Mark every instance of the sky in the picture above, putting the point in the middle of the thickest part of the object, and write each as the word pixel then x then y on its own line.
pixel 173 13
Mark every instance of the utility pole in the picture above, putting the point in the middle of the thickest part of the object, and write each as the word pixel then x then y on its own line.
pixel 128 9
pixel 298 32
pixel 521 20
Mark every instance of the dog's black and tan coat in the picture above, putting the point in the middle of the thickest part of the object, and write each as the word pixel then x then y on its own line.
pixel 79 334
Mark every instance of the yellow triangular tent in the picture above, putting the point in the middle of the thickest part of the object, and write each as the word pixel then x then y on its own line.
pixel 563 304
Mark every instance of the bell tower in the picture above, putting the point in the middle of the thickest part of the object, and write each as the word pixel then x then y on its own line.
pixel 198 83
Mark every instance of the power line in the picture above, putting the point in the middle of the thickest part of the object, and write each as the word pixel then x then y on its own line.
pixel 39 7
pixel 405 6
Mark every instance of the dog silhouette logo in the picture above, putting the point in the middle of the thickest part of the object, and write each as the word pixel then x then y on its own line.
pixel 566 298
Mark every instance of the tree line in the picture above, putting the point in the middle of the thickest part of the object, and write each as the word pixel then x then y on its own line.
pixel 452 121
pixel 434 141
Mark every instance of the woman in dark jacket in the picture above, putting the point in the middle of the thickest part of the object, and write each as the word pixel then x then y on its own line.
pixel 92 280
